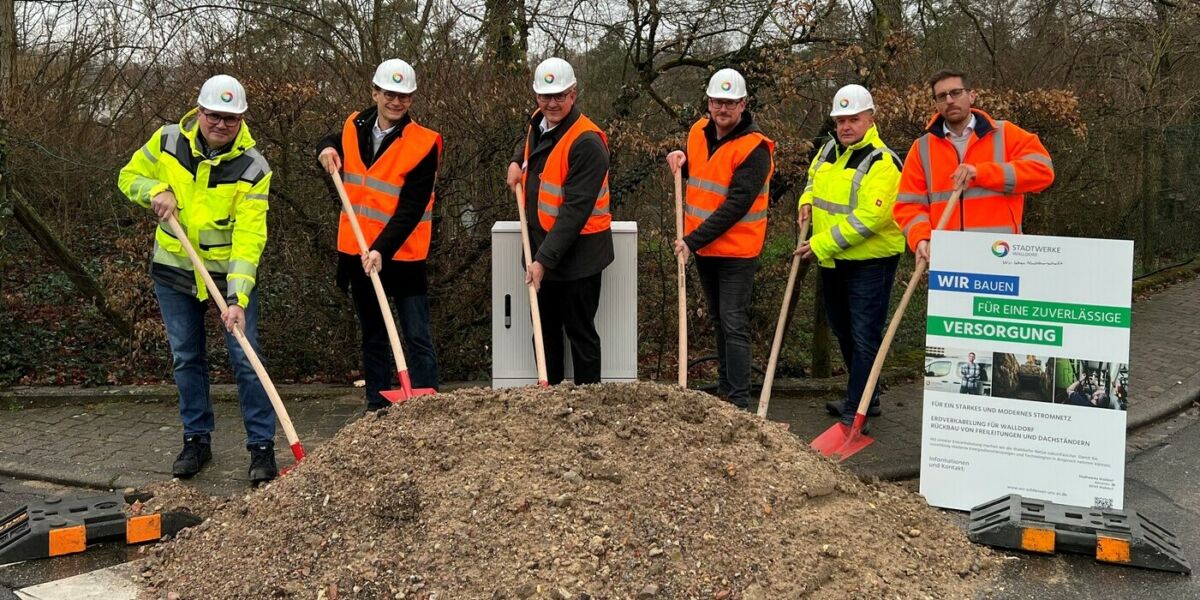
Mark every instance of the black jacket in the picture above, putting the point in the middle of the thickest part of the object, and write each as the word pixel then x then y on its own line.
pixel 567 254
pixel 399 277
pixel 748 181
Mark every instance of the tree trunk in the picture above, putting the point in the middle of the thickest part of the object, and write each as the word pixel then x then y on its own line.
pixel 8 47
pixel 50 244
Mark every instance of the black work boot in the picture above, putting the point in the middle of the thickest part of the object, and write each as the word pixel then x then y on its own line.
pixel 196 452
pixel 262 463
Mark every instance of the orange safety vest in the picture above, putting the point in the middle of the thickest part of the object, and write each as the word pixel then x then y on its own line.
pixel 708 184
pixel 554 173
pixel 375 192
pixel 1009 163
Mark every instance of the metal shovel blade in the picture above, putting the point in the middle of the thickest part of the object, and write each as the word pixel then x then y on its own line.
pixel 406 391
pixel 841 441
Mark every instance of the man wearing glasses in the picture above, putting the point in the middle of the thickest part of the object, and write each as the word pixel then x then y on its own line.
pixel 563 166
pixel 728 167
pixel 389 164
pixel 995 163
pixel 206 171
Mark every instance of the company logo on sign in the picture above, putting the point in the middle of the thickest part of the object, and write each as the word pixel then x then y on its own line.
pixel 844 102
pixel 727 86
pixel 549 78
pixel 397 77
pixel 1000 248
pixel 226 96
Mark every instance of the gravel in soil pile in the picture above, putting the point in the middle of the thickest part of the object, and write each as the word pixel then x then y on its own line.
pixel 611 491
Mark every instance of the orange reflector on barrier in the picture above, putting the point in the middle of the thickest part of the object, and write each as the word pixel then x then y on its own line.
pixel 68 540
pixel 1113 550
pixel 146 528
pixel 1034 539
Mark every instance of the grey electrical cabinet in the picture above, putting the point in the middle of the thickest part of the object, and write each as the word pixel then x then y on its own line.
pixel 512 328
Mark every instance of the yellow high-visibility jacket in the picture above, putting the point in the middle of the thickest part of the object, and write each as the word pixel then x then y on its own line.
pixel 222 205
pixel 852 191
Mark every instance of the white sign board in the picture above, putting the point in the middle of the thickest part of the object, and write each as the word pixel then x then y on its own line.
pixel 1026 369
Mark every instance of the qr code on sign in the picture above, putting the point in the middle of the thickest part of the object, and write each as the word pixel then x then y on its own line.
pixel 1102 502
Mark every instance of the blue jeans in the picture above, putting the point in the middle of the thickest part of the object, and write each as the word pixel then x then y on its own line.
pixel 183 315
pixel 379 367
pixel 857 293
pixel 728 285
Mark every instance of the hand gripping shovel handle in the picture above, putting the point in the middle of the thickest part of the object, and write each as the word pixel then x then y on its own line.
pixel 539 347
pixel 259 369
pixel 389 322
pixel 764 399
pixel 681 275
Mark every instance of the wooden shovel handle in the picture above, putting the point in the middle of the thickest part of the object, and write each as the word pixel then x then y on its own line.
pixel 894 325
pixel 764 399
pixel 215 293
pixel 539 346
pixel 389 321
pixel 681 276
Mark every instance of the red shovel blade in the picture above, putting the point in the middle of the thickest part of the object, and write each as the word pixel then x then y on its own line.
pixel 842 442
pixel 298 454
pixel 406 391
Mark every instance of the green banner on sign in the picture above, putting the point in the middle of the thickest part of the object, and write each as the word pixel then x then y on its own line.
pixel 1021 333
pixel 1051 312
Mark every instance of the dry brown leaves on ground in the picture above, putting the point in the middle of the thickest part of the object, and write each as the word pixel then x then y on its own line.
pixel 613 491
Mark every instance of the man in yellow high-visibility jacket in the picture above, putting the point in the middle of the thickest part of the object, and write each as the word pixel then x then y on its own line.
pixel 851 189
pixel 206 171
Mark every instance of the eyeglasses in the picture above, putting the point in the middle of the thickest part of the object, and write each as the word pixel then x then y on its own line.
pixel 559 97
pixel 390 96
pixel 955 94
pixel 723 103
pixel 229 120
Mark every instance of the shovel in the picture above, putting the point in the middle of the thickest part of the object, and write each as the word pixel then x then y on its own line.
pixel 842 442
pixel 272 394
pixel 406 390
pixel 539 347
pixel 764 399
pixel 681 272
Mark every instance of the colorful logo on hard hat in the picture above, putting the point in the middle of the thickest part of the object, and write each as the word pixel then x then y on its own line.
pixel 844 102
pixel 398 77
pixel 226 96
pixel 1000 248
pixel 549 78
pixel 727 86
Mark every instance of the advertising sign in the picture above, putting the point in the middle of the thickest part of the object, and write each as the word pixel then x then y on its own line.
pixel 1026 369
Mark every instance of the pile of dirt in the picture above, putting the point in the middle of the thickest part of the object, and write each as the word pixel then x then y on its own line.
pixel 612 491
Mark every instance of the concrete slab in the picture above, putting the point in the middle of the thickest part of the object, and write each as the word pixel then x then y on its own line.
pixel 111 583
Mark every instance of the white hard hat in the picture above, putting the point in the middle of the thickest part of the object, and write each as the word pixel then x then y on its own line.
pixel 851 100
pixel 395 75
pixel 727 84
pixel 222 93
pixel 552 76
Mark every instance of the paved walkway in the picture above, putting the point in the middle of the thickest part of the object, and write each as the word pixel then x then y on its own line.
pixel 128 437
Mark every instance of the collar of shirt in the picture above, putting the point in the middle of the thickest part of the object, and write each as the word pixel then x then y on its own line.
pixel 966 131
pixel 544 127
pixel 380 133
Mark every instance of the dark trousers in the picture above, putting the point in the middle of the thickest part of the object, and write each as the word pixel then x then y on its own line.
pixel 857 293
pixel 728 284
pixel 571 306
pixel 379 367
